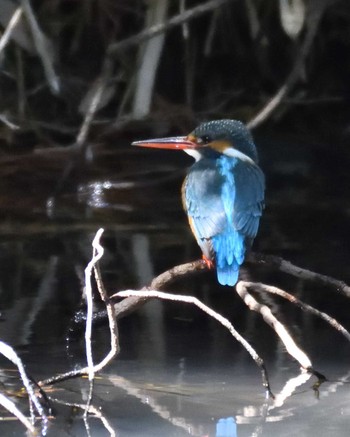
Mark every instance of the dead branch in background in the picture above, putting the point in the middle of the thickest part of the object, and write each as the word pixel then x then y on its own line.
pixel 6 36
pixel 314 15
pixel 177 20
pixel 120 75
pixel 149 56
pixel 114 49
pixel 44 48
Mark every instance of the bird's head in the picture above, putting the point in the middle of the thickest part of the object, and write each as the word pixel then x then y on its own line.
pixel 210 139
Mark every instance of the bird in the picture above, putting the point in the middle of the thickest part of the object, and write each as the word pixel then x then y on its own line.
pixel 223 192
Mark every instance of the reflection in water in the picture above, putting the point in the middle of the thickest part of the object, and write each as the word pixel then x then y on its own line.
pixel 289 388
pixel 226 427
pixel 148 397
pixel 193 408
pixel 17 327
pixel 95 194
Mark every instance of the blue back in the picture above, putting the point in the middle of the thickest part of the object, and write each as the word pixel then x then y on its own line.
pixel 224 199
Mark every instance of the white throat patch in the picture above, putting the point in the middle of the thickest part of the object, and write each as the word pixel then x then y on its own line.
pixel 194 153
pixel 234 153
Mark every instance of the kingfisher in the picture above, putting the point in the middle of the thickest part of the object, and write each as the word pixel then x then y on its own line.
pixel 223 192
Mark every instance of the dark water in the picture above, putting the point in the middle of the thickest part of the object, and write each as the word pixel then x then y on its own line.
pixel 178 372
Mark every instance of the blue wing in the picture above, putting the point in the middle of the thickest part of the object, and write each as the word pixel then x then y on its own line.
pixel 224 201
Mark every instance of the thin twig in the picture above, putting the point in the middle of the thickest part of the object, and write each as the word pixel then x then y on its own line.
pixel 43 46
pixel 278 327
pixel 6 36
pixel 158 29
pixel 112 320
pixel 272 104
pixel 97 255
pixel 92 368
pixel 313 22
pixel 263 288
pixel 11 355
pixel 287 267
pixel 94 103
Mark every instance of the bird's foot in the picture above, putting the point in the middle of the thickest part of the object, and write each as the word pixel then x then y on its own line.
pixel 208 262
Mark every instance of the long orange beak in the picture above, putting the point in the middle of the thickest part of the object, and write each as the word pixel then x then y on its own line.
pixel 180 143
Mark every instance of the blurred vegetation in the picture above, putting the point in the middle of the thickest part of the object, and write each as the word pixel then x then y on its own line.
pixel 62 63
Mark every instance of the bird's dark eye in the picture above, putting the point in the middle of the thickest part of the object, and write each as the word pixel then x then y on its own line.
pixel 205 139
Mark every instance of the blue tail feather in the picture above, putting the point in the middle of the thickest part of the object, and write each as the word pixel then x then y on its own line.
pixel 228 275
pixel 229 248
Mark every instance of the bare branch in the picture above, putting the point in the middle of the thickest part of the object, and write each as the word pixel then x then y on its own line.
pixel 225 322
pixel 95 96
pixel 286 266
pixel 314 18
pixel 112 320
pixel 272 104
pixel 158 29
pixel 97 255
pixel 115 48
pixel 11 355
pixel 263 288
pixel 92 368
pixel 6 36
pixel 130 304
pixel 43 46
pixel 136 299
pixel 278 327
